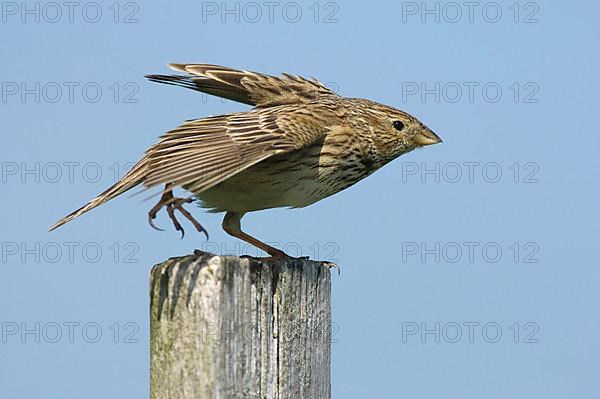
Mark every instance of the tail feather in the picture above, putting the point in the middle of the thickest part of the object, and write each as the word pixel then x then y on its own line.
pixel 134 177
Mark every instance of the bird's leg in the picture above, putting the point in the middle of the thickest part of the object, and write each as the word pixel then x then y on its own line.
pixel 231 224
pixel 172 204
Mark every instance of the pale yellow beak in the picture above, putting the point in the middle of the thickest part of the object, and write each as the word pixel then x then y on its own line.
pixel 427 137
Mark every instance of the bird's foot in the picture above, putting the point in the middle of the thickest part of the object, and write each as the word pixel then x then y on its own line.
pixel 332 265
pixel 282 255
pixel 171 203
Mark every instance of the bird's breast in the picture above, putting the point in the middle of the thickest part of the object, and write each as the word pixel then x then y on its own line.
pixel 295 179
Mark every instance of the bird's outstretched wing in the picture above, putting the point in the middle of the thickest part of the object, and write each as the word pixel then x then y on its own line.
pixel 245 86
pixel 202 153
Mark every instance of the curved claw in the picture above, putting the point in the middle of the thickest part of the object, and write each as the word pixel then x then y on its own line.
pixel 205 233
pixel 332 265
pixel 151 222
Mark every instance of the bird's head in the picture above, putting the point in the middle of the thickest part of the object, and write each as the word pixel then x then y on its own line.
pixel 396 132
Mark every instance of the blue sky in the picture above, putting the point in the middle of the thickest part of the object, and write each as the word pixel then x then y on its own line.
pixel 467 267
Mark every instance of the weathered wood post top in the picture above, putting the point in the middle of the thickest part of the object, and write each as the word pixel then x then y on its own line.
pixel 229 327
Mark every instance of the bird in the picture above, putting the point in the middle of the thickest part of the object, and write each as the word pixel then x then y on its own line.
pixel 300 143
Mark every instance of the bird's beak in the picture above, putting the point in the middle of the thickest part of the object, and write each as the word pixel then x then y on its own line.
pixel 427 137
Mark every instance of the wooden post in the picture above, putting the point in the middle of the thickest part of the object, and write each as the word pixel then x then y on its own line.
pixel 228 327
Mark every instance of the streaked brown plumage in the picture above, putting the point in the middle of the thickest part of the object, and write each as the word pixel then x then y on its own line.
pixel 301 143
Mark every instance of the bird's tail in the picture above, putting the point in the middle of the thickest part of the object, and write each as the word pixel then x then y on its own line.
pixel 134 177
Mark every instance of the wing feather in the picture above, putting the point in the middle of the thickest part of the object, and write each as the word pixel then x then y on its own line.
pixel 247 87
pixel 202 153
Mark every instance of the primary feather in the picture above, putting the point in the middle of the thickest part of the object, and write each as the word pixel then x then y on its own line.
pixel 247 87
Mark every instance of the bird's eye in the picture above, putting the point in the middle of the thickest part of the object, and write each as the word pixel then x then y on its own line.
pixel 398 125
